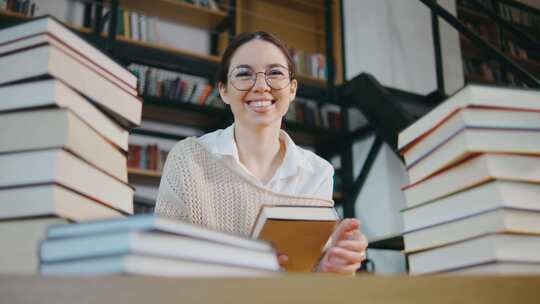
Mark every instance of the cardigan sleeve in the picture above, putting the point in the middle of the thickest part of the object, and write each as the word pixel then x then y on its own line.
pixel 169 201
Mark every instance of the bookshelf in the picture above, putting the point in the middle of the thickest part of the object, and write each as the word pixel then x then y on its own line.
pixel 478 67
pixel 177 11
pixel 305 33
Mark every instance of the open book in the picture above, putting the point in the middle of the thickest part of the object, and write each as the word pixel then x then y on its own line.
pixel 300 232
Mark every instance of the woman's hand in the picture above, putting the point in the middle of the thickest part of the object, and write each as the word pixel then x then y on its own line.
pixel 347 249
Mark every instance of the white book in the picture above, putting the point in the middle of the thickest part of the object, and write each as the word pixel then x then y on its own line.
pixel 485 249
pixel 153 222
pixel 20 244
pixel 42 39
pixel 64 168
pixel 473 141
pixel 132 264
pixel 487 196
pixel 473 172
pixel 471 95
pixel 51 199
pixel 54 93
pixel 499 268
pixel 155 244
pixel 471 118
pixel 49 60
pixel 60 128
pixel 57 29
pixel 488 222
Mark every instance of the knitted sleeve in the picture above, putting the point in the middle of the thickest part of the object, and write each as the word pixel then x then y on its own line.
pixel 170 201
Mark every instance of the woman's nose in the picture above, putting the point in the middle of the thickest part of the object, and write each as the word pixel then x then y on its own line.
pixel 260 83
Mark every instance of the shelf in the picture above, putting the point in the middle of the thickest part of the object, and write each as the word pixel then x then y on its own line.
pixel 470 13
pixel 177 11
pixel 143 176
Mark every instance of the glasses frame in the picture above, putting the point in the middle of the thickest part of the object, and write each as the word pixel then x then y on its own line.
pixel 256 75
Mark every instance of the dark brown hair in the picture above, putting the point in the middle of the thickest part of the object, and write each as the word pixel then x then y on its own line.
pixel 223 70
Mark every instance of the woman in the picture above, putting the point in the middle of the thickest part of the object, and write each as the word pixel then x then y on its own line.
pixel 221 179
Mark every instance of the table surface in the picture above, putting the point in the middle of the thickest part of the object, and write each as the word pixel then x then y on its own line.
pixel 314 288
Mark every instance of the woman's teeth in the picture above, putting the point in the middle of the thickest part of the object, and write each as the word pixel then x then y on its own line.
pixel 261 104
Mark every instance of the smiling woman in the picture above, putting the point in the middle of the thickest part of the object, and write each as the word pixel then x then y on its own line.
pixel 221 179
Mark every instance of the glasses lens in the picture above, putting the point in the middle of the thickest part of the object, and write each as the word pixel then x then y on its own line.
pixel 277 77
pixel 243 78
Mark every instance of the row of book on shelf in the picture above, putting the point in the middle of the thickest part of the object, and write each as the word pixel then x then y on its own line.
pixel 65 205
pixel 24 7
pixel 178 87
pixel 507 11
pixel 148 157
pixel 474 181
pixel 490 71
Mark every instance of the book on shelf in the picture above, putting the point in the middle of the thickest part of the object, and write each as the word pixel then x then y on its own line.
pixel 469 96
pixel 484 249
pixel 300 232
pixel 498 268
pixel 62 167
pixel 23 7
pixel 54 93
pixel 53 60
pixel 50 128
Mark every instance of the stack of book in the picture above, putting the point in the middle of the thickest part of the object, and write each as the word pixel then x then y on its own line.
pixel 152 245
pixel 472 204
pixel 65 112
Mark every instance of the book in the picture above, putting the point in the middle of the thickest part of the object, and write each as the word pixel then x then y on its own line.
pixel 473 172
pixel 488 196
pixel 499 268
pixel 54 93
pixel 131 264
pixel 53 27
pixel 51 200
pixel 500 220
pixel 300 232
pixel 472 118
pixel 53 128
pixel 50 61
pixel 156 223
pixel 20 243
pixel 47 38
pixel 481 250
pixel 62 167
pixel 471 141
pixel 471 95
pixel 154 244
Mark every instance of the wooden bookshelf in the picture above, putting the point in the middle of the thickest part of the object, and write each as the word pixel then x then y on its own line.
pixel 143 176
pixel 177 11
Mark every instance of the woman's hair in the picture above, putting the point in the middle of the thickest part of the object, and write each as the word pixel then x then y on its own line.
pixel 223 70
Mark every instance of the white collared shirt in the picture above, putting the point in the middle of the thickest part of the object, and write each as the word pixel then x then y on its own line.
pixel 302 172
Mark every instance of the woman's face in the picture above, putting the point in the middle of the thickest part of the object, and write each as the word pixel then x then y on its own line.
pixel 261 105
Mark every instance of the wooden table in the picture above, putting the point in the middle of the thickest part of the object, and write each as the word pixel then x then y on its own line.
pixel 288 289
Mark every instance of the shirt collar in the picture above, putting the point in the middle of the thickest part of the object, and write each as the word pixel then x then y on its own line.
pixel 292 161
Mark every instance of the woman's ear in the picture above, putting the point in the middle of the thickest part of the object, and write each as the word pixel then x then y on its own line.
pixel 293 87
pixel 223 92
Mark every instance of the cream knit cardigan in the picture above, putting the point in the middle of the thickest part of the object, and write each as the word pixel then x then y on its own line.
pixel 198 187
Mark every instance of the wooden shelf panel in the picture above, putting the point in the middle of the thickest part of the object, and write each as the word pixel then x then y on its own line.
pixel 177 11
pixel 143 176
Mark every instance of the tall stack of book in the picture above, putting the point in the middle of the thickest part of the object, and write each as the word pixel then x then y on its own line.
pixel 473 201
pixel 65 112
pixel 152 245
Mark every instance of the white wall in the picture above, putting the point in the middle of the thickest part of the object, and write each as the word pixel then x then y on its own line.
pixel 393 41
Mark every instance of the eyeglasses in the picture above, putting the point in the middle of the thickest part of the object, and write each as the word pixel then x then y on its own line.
pixel 244 78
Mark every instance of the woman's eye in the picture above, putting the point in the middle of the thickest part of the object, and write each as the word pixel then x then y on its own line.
pixel 276 72
pixel 244 74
